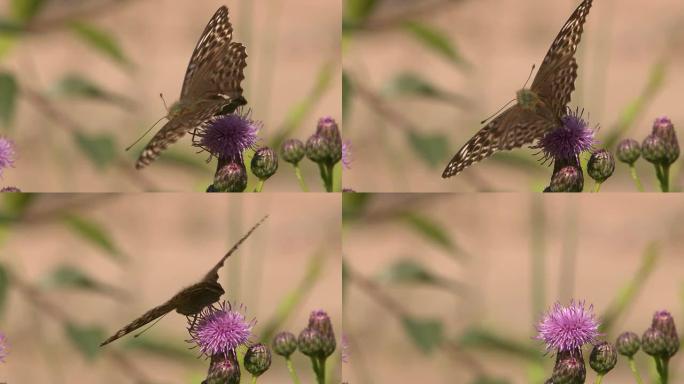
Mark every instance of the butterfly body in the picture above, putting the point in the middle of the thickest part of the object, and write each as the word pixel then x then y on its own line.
pixel 192 299
pixel 539 109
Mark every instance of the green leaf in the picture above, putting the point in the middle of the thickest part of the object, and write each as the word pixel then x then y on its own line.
pixel 10 28
pixel 413 84
pixel 24 10
pixel 76 86
pixel 182 159
pixel 4 288
pixel 100 149
pixel 94 233
pixel 407 271
pixel 354 205
pixel 431 148
pixel 429 229
pixel 347 94
pixel 15 204
pixel 8 98
pixel 86 339
pixel 161 347
pixel 488 340
pixel 357 11
pixel 100 40
pixel 69 276
pixel 434 39
pixel 426 334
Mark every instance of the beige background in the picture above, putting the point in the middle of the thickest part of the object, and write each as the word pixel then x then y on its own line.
pixel 287 43
pixel 171 241
pixel 501 39
pixel 494 230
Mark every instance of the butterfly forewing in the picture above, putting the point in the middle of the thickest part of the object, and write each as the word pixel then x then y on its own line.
pixel 146 318
pixel 554 84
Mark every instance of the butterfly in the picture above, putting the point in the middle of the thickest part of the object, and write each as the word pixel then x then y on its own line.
pixel 189 301
pixel 538 109
pixel 211 85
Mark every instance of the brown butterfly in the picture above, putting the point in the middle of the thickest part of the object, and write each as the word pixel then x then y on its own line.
pixel 211 85
pixel 538 109
pixel 191 300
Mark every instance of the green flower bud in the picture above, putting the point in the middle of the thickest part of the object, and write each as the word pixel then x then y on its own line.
pixel 569 368
pixel 653 149
pixel 628 151
pixel 264 163
pixel 603 357
pixel 317 149
pixel 653 342
pixel 257 359
pixel 664 129
pixel 628 344
pixel 567 179
pixel 293 151
pixel 223 370
pixel 230 177
pixel 310 342
pixel 284 344
pixel 601 165
pixel 663 321
pixel 320 321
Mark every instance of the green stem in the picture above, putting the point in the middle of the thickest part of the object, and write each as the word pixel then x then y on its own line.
pixel 259 186
pixel 659 368
pixel 599 378
pixel 659 175
pixel 635 177
pixel 330 176
pixel 254 378
pixel 321 367
pixel 666 178
pixel 326 175
pixel 635 371
pixel 293 374
pixel 597 187
pixel 320 377
pixel 302 184
pixel 665 367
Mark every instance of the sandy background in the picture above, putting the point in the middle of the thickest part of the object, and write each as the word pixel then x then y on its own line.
pixel 501 39
pixel 287 43
pixel 170 241
pixel 494 230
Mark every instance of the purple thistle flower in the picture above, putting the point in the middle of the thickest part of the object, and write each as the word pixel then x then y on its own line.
pixel 3 347
pixel 568 328
pixel 10 189
pixel 228 136
pixel 7 153
pixel 568 141
pixel 220 330
pixel 346 154
pixel 345 349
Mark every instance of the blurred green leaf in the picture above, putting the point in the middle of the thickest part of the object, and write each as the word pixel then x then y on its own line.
pixel 94 233
pixel 102 41
pixel 10 28
pixel 488 340
pixel 100 149
pixel 354 206
pixel 4 288
pixel 15 204
pixel 161 347
pixel 347 94
pixel 357 11
pixel 24 10
pixel 407 271
pixel 189 161
pixel 413 84
pixel 429 229
pixel 626 296
pixel 490 380
pixel 8 97
pixel 431 148
pixel 69 276
pixel 86 339
pixel 434 39
pixel 76 86
pixel 426 334
pixel 521 160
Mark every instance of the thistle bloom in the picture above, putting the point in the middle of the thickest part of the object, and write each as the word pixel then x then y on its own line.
pixel 7 153
pixel 228 136
pixel 220 330
pixel 568 328
pixel 346 154
pixel 3 347
pixel 567 141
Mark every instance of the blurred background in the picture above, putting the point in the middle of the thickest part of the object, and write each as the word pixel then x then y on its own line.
pixel 76 268
pixel 451 287
pixel 80 81
pixel 419 76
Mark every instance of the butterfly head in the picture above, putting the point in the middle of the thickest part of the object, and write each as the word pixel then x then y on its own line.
pixel 175 109
pixel 528 99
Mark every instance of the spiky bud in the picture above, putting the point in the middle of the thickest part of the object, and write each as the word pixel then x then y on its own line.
pixel 653 342
pixel 284 344
pixel 569 368
pixel 264 163
pixel 328 129
pixel 257 359
pixel 230 177
pixel 663 321
pixel 317 149
pixel 628 151
pixel 310 342
pixel 223 369
pixel 628 344
pixel 603 357
pixel 664 129
pixel 567 179
pixel 292 151
pixel 320 321
pixel 653 149
pixel 601 165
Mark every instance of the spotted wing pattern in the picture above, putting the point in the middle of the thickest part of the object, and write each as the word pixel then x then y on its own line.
pixel 212 81
pixel 553 84
pixel 198 290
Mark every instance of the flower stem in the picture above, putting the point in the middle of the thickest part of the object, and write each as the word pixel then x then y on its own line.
pixel 321 367
pixel 293 374
pixel 320 373
pixel 665 367
pixel 635 371
pixel 597 187
pixel 326 175
pixel 259 186
pixel 635 177
pixel 666 178
pixel 599 378
pixel 302 184
pixel 254 379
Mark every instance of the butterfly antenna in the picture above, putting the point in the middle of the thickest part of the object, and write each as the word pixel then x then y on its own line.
pixel 161 95
pixel 497 112
pixel 150 326
pixel 530 76
pixel 144 134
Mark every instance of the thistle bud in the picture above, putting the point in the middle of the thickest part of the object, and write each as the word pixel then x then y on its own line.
pixel 292 151
pixel 653 342
pixel 663 321
pixel 603 358
pixel 653 149
pixel 601 165
pixel 628 151
pixel 230 177
pixel 310 342
pixel 284 344
pixel 569 368
pixel 317 149
pixel 567 179
pixel 223 369
pixel 257 359
pixel 320 321
pixel 664 129
pixel 330 141
pixel 264 163
pixel 628 344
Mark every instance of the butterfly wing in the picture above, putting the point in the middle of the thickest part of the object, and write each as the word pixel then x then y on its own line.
pixel 513 128
pixel 212 275
pixel 555 80
pixel 146 318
